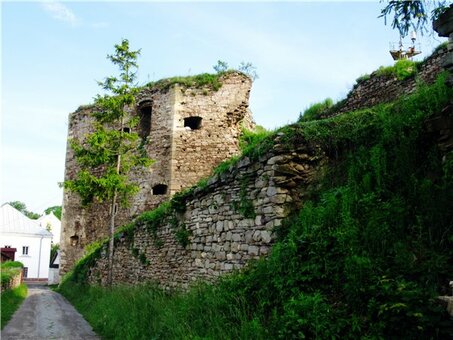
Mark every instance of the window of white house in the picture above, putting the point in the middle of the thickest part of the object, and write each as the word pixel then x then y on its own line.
pixel 24 250
pixel 25 271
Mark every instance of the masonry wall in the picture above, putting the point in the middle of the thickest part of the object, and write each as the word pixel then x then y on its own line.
pixel 383 89
pixel 224 114
pixel 182 156
pixel 230 222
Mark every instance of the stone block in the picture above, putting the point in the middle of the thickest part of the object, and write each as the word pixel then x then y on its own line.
pixel 258 220
pixel 228 266
pixel 219 226
pixel 253 250
pixel 249 236
pixel 235 247
pixel 265 236
pixel 237 237
pixel 220 255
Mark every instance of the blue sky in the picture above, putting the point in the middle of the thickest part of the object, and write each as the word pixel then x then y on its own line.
pixel 53 53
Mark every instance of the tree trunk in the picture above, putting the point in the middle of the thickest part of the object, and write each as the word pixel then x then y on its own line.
pixel 111 240
pixel 112 218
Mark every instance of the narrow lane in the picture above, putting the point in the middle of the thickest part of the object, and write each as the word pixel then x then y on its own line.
pixel 47 315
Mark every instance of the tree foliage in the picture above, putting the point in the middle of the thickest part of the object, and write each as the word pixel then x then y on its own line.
pixel 56 210
pixel 107 154
pixel 23 209
pixel 414 15
pixel 245 67
pixel 111 151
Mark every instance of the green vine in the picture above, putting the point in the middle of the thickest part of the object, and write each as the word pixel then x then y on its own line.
pixel 245 205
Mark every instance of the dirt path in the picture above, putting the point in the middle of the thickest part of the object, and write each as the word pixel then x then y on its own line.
pixel 46 315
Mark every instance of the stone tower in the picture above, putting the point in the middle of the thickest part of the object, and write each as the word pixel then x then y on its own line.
pixel 188 131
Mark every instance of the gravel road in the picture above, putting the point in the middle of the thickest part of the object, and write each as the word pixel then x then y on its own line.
pixel 46 315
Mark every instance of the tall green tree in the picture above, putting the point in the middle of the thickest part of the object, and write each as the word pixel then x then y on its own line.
pixel 56 210
pixel 412 14
pixel 23 209
pixel 108 154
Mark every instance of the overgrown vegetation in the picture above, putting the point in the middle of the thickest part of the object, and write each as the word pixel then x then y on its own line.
pixel 442 46
pixel 9 269
pixel 402 69
pixel 147 312
pixel 245 205
pixel 364 258
pixel 11 300
pixel 246 68
pixel 208 80
pixel 56 210
pixel 316 110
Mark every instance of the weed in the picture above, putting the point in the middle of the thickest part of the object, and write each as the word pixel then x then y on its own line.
pixel 11 300
pixel 316 110
pixel 205 80
pixel 401 70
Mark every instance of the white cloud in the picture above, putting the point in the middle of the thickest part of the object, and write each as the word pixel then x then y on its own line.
pixel 60 12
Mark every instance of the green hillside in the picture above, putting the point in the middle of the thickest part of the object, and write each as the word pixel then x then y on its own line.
pixel 365 257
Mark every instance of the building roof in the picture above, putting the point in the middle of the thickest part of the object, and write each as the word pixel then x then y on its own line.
pixel 49 218
pixel 14 222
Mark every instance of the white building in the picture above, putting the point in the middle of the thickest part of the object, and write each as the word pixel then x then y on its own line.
pixel 51 223
pixel 29 238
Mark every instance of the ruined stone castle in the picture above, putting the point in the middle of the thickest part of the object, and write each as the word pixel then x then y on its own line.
pixel 188 130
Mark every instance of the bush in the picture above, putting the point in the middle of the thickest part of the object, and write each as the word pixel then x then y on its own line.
pixel 9 269
pixel 402 69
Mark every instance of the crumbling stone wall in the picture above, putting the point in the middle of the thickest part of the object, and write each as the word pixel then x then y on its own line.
pixel 230 222
pixel 13 282
pixel 182 155
pixel 201 149
pixel 383 88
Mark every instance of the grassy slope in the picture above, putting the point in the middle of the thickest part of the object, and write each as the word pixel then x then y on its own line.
pixel 11 300
pixel 365 257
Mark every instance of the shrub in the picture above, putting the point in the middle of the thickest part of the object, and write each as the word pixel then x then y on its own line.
pixel 9 269
pixel 402 69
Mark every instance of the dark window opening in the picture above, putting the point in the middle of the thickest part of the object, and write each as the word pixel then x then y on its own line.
pixel 145 119
pixel 74 240
pixel 24 250
pixel 160 189
pixel 25 272
pixel 194 123
pixel 126 129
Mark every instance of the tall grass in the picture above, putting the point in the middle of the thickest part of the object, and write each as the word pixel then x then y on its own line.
pixel 11 300
pixel 147 312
